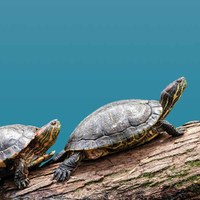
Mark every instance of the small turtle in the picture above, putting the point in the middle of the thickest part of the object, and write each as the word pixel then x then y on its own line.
pixel 117 126
pixel 24 146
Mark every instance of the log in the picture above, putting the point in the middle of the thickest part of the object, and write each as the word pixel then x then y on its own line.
pixel 163 169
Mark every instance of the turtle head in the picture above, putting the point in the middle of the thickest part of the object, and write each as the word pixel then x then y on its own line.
pixel 47 135
pixel 171 94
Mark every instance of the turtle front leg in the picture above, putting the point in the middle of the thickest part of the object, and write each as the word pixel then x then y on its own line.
pixel 21 173
pixel 65 169
pixel 41 159
pixel 171 130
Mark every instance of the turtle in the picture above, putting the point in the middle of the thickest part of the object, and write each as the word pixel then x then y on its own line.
pixel 23 147
pixel 118 126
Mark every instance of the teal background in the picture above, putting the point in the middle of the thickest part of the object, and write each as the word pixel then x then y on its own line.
pixel 65 59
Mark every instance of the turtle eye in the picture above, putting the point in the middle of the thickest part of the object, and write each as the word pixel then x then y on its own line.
pixel 53 123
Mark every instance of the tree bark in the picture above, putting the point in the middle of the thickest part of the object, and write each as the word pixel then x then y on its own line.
pixel 165 168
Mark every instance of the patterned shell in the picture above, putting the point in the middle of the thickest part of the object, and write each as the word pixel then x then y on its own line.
pixel 14 138
pixel 114 122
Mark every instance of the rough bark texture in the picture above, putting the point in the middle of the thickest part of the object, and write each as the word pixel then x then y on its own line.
pixel 165 168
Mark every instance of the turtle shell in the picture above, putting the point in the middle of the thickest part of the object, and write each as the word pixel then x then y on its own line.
pixel 14 138
pixel 113 123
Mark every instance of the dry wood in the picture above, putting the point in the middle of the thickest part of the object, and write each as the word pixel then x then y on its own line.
pixel 165 168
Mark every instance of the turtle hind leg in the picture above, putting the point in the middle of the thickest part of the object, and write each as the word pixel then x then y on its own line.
pixel 171 130
pixel 65 169
pixel 21 173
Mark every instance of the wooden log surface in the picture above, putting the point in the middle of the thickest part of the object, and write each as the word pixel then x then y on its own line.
pixel 163 169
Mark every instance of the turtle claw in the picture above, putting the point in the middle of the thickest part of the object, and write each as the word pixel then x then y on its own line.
pixel 22 183
pixel 61 175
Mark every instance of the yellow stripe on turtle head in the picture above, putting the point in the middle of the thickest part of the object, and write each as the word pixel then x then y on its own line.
pixel 171 94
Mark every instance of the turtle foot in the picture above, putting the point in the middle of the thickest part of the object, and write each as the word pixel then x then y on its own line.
pixel 22 183
pixel 61 174
pixel 180 131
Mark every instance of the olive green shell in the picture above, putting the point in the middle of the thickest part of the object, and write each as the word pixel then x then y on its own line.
pixel 113 123
pixel 14 138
